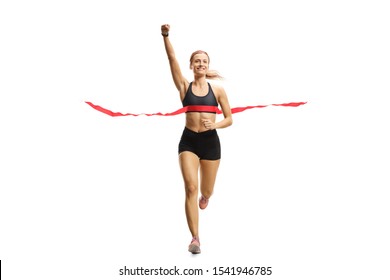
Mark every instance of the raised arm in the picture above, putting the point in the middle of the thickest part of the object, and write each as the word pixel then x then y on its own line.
pixel 180 82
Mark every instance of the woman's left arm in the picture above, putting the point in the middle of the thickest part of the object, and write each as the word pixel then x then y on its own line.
pixel 227 112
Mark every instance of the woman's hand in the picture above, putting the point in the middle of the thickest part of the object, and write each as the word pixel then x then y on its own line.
pixel 165 28
pixel 208 124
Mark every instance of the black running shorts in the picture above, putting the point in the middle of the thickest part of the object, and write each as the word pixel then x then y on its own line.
pixel 204 144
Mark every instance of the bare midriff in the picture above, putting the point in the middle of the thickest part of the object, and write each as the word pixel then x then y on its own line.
pixel 194 120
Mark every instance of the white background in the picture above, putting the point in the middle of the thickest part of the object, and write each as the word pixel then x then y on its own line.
pixel 302 190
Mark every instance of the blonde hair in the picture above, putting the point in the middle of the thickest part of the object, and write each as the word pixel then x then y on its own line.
pixel 211 74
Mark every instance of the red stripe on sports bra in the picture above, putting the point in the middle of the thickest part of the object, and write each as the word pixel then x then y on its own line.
pixel 195 108
pixel 202 108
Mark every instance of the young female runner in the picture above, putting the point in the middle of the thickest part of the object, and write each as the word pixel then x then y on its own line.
pixel 199 147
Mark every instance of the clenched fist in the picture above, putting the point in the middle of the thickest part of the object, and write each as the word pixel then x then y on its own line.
pixel 208 124
pixel 165 29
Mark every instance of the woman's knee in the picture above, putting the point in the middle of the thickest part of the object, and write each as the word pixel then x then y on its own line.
pixel 207 192
pixel 191 189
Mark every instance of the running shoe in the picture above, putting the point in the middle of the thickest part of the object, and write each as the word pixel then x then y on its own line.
pixel 203 202
pixel 194 247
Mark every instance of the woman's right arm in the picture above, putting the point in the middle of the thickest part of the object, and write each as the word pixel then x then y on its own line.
pixel 180 82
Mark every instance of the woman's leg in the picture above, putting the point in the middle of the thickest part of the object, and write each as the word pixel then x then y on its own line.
pixel 189 165
pixel 208 175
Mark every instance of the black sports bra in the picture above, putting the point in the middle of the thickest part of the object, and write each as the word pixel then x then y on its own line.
pixel 200 103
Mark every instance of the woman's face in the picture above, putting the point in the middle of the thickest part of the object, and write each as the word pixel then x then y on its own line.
pixel 200 63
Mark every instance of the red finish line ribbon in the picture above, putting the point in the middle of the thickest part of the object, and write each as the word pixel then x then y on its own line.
pixel 196 108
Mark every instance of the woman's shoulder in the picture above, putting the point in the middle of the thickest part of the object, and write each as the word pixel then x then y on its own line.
pixel 217 88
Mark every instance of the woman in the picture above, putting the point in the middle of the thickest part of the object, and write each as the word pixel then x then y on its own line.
pixel 199 147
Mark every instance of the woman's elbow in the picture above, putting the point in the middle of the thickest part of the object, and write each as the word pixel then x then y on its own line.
pixel 230 121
